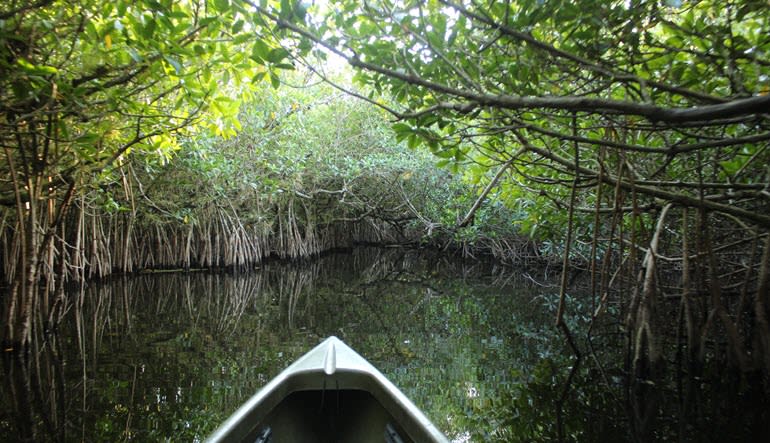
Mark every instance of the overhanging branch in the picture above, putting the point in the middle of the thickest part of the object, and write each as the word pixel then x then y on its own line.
pixel 652 191
pixel 590 105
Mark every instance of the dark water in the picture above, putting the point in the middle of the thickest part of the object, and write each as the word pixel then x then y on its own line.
pixel 167 357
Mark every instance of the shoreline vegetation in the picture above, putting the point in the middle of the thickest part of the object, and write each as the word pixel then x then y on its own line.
pixel 330 175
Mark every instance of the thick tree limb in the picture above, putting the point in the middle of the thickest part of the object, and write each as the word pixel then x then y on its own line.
pixel 735 108
pixel 39 4
pixel 591 105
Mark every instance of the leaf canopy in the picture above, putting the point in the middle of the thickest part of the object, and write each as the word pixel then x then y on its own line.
pixel 677 92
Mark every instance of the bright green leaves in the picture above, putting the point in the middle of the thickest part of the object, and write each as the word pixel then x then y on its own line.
pixel 457 67
pixel 720 49
pixel 273 59
pixel 262 53
pixel 110 79
pixel 31 69
pixel 32 81
pixel 300 145
pixel 402 131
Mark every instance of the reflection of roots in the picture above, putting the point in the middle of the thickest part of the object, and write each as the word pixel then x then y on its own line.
pixel 643 391
pixel 647 363
pixel 34 382
pixel 723 326
pixel 646 373
pixel 762 310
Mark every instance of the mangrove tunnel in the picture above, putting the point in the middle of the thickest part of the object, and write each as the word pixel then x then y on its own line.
pixel 548 220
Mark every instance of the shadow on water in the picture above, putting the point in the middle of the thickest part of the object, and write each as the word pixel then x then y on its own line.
pixel 169 356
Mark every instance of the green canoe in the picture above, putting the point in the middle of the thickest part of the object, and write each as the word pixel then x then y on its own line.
pixel 331 394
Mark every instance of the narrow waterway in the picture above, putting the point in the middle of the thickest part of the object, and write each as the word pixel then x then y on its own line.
pixel 171 355
pixel 168 356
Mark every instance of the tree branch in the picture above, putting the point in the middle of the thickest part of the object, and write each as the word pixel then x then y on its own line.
pixel 27 7
pixel 585 63
pixel 477 204
pixel 733 108
pixel 684 200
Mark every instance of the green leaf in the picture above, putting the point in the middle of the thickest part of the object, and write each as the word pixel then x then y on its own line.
pixel 301 11
pixel 148 30
pixel 91 32
pixel 181 15
pixel 277 54
pixel 222 5
pixel 208 20
pixel 36 69
pixel 259 76
pixel 274 80
pixel 260 50
pixel 286 9
pixel 237 27
pixel 175 63
pixel 402 130
pixel 413 141
pixel 240 39
pixel 87 139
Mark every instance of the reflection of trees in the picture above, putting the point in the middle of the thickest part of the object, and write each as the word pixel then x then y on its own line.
pixel 119 321
pixel 171 354
pixel 34 393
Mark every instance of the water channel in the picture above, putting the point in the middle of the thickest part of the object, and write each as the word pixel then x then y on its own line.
pixel 168 356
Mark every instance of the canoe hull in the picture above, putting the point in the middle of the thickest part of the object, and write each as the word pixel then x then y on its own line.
pixel 329 394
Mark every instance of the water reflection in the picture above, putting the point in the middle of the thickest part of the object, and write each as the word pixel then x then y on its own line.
pixel 171 355
pixel 34 395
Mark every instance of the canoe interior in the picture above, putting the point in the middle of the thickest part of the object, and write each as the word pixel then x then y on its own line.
pixel 330 394
pixel 347 415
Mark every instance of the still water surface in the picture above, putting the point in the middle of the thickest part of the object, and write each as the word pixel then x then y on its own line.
pixel 169 356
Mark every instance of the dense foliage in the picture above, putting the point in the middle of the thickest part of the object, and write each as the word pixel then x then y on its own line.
pixel 310 170
pixel 136 164
pixel 633 133
pixel 649 119
pixel 84 85
pixel 522 85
